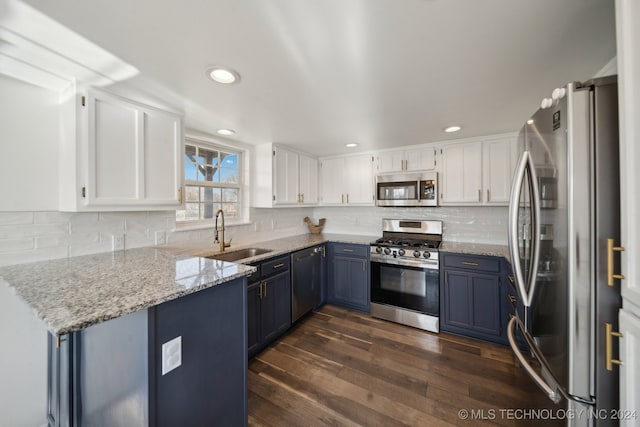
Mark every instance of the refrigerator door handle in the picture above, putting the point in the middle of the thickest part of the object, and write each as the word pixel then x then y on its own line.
pixel 524 167
pixel 554 394
pixel 540 382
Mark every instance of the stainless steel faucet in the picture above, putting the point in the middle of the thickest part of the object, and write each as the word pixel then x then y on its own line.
pixel 223 245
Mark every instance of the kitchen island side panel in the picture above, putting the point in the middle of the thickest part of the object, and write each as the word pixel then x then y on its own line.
pixel 210 386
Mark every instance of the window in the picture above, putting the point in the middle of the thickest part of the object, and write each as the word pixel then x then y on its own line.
pixel 212 181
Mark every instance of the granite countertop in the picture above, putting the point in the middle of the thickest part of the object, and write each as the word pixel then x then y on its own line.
pixel 275 247
pixel 73 293
pixel 476 249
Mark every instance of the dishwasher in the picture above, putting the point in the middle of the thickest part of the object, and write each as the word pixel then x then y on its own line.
pixel 306 281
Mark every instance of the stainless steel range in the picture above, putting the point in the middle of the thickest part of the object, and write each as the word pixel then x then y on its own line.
pixel 405 273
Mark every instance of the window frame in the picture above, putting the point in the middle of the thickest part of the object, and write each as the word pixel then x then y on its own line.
pixel 239 186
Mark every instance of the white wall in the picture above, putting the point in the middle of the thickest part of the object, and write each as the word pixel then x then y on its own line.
pixel 28 146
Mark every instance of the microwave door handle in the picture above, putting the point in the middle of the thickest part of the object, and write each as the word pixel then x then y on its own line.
pixel 514 206
pixel 540 382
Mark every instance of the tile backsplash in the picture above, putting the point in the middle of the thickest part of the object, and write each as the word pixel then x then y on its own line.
pixel 36 236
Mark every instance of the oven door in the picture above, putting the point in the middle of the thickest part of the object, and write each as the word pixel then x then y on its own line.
pixel 410 287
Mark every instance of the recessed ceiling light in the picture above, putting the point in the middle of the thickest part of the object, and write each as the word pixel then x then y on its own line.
pixel 453 129
pixel 223 75
pixel 351 145
pixel 226 132
pixel 530 121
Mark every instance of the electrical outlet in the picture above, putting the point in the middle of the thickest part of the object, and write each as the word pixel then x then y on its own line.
pixel 117 242
pixel 171 355
pixel 161 237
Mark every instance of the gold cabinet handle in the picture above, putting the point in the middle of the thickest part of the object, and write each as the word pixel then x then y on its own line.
pixel 180 201
pixel 610 250
pixel 474 264
pixel 260 290
pixel 609 334
pixel 347 250
pixel 479 195
pixel 488 195
pixel 511 278
pixel 277 266
pixel 343 199
pixel 265 289
pixel 347 198
pixel 512 299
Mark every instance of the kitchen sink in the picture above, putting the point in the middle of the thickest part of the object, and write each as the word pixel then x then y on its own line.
pixel 239 254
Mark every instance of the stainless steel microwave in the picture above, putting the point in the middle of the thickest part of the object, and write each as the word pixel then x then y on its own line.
pixel 407 189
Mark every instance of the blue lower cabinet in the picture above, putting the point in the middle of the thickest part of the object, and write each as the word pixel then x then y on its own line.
pixel 349 276
pixel 472 300
pixel 268 303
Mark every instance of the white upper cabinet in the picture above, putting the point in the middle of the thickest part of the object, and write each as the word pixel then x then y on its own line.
pixel 282 177
pixel 118 154
pixel 461 177
pixel 477 172
pixel 417 159
pixel 498 162
pixel 347 180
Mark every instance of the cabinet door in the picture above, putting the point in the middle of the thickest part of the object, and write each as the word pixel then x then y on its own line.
pixel 420 159
pixel 349 284
pixel 332 181
pixel 485 297
pixel 285 176
pixel 253 318
pixel 161 153
pixel 276 306
pixel 629 370
pixel 308 171
pixel 390 161
pixel 461 174
pixel 359 180
pixel 498 170
pixel 115 137
pixel 456 303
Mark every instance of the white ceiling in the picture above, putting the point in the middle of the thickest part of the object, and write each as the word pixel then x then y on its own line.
pixel 382 73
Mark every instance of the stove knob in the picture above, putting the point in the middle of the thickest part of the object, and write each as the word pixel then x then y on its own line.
pixel 401 252
pixel 387 251
pixel 426 254
pixel 416 254
pixel 379 250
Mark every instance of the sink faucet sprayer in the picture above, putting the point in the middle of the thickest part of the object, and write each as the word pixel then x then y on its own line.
pixel 223 245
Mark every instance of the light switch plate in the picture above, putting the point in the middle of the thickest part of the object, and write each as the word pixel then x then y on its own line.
pixel 171 355
pixel 117 242
pixel 161 237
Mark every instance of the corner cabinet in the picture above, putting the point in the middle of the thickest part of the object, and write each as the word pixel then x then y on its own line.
pixel 282 177
pixel 347 181
pixel 349 276
pixel 477 173
pixel 472 297
pixel 117 154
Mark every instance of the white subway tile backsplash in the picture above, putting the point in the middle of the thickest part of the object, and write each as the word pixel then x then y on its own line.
pixel 34 236
pixel 13 245
pixel 15 218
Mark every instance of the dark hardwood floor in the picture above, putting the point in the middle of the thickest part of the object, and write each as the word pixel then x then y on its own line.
pixel 344 368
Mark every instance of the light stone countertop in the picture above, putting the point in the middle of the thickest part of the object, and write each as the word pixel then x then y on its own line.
pixel 276 247
pixel 476 249
pixel 73 293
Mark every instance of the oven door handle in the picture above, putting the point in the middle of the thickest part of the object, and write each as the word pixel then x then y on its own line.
pixel 429 265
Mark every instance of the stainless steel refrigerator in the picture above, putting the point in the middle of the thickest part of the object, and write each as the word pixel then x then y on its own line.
pixel 564 208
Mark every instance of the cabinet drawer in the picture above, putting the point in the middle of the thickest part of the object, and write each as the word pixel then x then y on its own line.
pixel 274 266
pixel 255 276
pixel 347 249
pixel 474 263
